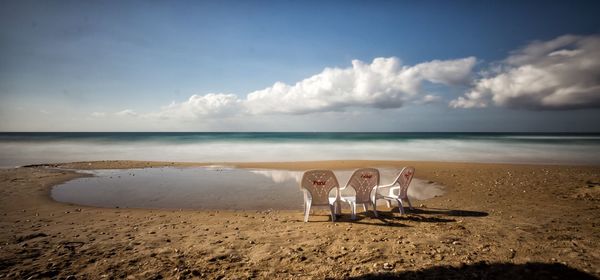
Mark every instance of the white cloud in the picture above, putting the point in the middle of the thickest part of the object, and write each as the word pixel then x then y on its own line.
pixel 197 106
pixel 562 73
pixel 126 112
pixel 384 83
pixel 430 98
pixel 98 114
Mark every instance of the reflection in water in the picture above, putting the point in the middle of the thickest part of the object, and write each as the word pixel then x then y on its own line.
pixel 215 187
pixel 280 176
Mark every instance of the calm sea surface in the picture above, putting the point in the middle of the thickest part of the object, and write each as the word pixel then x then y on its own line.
pixel 31 148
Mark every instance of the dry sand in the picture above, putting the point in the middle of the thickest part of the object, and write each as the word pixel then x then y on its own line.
pixel 496 221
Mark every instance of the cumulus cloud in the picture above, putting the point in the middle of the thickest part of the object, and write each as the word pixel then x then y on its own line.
pixel 98 114
pixel 197 106
pixel 563 73
pixel 126 112
pixel 429 98
pixel 384 83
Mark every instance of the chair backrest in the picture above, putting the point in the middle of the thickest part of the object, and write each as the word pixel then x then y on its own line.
pixel 404 178
pixel 319 183
pixel 363 181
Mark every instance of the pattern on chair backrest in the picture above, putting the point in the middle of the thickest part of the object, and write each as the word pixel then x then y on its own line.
pixel 363 181
pixel 404 179
pixel 319 183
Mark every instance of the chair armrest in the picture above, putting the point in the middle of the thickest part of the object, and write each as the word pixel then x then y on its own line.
pixel 385 188
pixel 394 191
pixel 389 191
pixel 388 185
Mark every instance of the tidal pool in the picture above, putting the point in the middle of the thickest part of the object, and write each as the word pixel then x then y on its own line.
pixel 205 188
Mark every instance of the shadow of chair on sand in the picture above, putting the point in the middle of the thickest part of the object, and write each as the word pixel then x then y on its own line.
pixel 423 215
pixel 362 218
pixel 483 270
pixel 445 212
pixel 391 218
pixel 429 215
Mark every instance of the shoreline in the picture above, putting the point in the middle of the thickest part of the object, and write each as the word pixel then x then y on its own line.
pixel 287 165
pixel 502 218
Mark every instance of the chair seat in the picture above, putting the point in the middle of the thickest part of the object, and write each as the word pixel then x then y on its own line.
pixel 349 199
pixel 352 199
pixel 332 200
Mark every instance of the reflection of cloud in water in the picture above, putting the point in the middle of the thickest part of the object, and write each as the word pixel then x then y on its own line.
pixel 216 167
pixel 280 176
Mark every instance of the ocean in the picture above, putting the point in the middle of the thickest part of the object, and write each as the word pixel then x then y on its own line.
pixel 17 149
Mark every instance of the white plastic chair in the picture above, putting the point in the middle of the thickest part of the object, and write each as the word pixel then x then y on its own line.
pixel 316 185
pixel 364 181
pixel 397 190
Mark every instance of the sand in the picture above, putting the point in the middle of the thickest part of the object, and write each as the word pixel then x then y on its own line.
pixel 495 221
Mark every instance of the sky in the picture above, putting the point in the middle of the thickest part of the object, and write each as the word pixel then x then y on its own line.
pixel 520 66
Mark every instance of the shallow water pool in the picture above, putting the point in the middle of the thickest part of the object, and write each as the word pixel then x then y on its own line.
pixel 204 188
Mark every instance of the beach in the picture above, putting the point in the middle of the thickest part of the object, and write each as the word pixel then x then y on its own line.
pixel 299 140
pixel 494 221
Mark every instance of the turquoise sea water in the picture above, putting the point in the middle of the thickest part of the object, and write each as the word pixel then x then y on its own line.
pixel 550 148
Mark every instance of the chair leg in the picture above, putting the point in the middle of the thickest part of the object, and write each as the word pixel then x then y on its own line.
pixel 335 207
pixel 306 212
pixel 400 206
pixel 353 206
pixel 409 204
pixel 389 205
pixel 365 207
pixel 332 209
pixel 375 210
pixel 304 207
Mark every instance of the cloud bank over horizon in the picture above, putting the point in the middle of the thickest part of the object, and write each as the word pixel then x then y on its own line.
pixel 559 74
pixel 384 83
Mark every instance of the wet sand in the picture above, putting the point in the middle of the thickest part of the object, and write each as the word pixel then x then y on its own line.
pixel 495 221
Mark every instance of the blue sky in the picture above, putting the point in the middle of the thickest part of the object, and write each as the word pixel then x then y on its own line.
pixel 151 65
